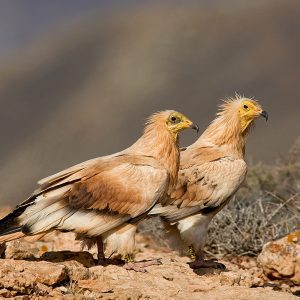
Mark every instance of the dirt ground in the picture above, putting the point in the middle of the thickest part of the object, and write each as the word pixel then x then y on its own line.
pixel 54 267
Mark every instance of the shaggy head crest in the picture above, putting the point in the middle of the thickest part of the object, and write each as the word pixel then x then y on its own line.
pixel 232 123
pixel 245 109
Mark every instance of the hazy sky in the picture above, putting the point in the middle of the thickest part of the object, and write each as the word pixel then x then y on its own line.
pixel 23 21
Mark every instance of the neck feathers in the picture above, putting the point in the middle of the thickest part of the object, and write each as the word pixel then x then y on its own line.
pixel 226 130
pixel 159 142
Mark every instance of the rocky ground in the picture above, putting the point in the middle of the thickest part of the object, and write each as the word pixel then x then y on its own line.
pixel 55 267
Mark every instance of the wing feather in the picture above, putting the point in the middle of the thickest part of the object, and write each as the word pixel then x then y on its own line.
pixel 97 198
pixel 126 187
pixel 207 179
pixel 58 177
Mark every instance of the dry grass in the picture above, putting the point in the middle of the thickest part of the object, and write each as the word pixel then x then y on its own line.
pixel 246 224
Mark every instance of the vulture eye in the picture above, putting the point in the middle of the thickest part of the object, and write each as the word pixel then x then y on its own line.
pixel 173 119
pixel 245 106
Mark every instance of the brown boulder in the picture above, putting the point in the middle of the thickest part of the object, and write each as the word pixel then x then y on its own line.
pixel 22 275
pixel 95 285
pixel 281 259
pixel 20 250
pixel 76 270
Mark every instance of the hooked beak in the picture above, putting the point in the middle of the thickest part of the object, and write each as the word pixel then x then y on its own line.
pixel 195 127
pixel 191 125
pixel 265 115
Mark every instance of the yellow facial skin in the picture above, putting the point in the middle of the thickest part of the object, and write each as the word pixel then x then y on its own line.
pixel 250 110
pixel 177 122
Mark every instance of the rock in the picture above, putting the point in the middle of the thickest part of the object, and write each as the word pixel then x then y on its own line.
pixel 76 270
pixel 20 250
pixel 281 259
pixel 7 293
pixel 27 248
pixel 230 278
pixel 74 275
pixel 95 285
pixel 61 289
pixel 244 293
pixel 56 241
pixel 25 276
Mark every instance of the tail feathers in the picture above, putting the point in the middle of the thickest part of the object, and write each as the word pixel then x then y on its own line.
pixel 11 237
pixel 11 230
pixel 86 242
pixel 9 223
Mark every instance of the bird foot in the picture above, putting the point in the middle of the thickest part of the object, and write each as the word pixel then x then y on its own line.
pixel 102 262
pixel 141 265
pixel 202 263
pixel 106 261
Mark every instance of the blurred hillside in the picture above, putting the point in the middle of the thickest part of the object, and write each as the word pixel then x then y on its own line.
pixel 85 90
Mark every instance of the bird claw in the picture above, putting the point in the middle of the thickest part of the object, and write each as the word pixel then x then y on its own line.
pixel 133 266
pixel 151 262
pixel 197 264
pixel 102 262
pixel 141 265
pixel 106 261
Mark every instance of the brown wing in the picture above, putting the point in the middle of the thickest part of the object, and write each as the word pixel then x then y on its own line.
pixel 96 198
pixel 125 184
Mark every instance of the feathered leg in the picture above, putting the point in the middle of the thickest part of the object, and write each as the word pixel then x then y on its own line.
pixel 122 241
pixel 89 243
pixel 199 260
pixel 193 231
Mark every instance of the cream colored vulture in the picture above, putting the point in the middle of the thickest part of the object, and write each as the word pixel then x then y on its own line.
pixel 211 171
pixel 94 198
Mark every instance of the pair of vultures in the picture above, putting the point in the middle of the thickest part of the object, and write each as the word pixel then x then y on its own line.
pixel 103 199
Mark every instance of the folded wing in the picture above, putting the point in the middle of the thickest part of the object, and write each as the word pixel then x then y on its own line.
pixel 93 198
pixel 206 180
